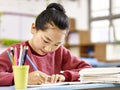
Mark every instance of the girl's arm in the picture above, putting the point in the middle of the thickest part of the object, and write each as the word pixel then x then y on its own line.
pixel 6 75
pixel 72 65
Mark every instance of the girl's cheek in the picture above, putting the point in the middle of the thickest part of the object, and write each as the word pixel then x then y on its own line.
pixel 54 48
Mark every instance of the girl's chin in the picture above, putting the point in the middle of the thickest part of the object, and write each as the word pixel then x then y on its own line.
pixel 41 53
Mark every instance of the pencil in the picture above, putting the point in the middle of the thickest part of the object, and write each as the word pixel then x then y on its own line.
pixel 28 58
pixel 16 56
pixel 11 49
pixel 24 58
pixel 14 52
pixel 14 60
pixel 20 55
pixel 10 57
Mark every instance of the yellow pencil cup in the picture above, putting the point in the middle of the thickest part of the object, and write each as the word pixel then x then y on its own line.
pixel 21 76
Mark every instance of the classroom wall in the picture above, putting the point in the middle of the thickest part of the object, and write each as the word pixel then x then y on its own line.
pixel 16 16
pixel 79 11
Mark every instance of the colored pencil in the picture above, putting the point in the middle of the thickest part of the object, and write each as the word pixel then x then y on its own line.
pixel 29 59
pixel 10 57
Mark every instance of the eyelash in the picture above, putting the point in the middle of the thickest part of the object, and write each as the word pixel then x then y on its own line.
pixel 56 45
pixel 45 41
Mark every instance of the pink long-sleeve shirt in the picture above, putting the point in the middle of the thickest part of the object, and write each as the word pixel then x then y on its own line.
pixel 51 63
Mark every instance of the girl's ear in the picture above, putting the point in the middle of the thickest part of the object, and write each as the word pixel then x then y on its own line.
pixel 33 28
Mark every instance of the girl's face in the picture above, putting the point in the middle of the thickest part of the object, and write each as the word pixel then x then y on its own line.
pixel 46 41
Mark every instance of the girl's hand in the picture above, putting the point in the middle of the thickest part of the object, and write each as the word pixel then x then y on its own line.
pixel 56 78
pixel 37 78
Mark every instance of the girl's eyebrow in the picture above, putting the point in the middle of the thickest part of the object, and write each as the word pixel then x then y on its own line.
pixel 51 40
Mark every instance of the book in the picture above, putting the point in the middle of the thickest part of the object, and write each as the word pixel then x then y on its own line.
pixel 104 75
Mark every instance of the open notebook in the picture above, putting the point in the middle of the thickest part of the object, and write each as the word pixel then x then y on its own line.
pixel 57 84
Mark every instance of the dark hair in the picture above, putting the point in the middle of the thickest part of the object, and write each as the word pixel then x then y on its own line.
pixel 54 14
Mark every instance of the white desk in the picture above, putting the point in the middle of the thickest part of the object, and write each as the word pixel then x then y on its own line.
pixel 72 87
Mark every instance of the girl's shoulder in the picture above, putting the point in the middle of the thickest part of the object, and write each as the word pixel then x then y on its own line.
pixel 24 43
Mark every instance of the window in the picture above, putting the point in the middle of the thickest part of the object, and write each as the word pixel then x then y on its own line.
pixel 115 7
pixel 97 10
pixel 104 20
pixel 116 24
pixel 100 31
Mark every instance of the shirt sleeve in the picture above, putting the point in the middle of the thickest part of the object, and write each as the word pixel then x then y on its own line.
pixel 6 79
pixel 6 75
pixel 72 65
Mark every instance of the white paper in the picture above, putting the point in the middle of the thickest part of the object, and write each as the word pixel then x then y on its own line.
pixel 57 84
pixel 99 71
pixel 104 75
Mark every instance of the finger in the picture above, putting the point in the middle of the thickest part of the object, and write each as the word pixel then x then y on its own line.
pixel 39 79
pixel 56 78
pixel 61 78
pixel 39 83
pixel 52 78
pixel 43 78
pixel 49 79
pixel 46 79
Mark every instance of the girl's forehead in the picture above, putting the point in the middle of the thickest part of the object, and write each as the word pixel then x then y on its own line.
pixel 55 35
pixel 53 29
pixel 53 32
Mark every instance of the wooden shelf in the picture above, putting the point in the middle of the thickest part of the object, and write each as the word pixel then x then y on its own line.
pixel 78 41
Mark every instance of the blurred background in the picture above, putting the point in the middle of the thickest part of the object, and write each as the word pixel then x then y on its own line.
pixel 94 27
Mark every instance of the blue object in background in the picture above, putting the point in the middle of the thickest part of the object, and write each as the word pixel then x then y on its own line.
pixel 91 61
pixel 90 51
pixel 95 63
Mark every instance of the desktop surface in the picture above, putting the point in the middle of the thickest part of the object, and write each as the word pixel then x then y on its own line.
pixel 96 86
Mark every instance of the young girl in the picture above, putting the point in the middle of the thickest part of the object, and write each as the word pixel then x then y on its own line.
pixel 46 51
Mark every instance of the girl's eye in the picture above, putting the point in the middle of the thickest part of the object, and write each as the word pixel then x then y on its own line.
pixel 56 45
pixel 45 41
